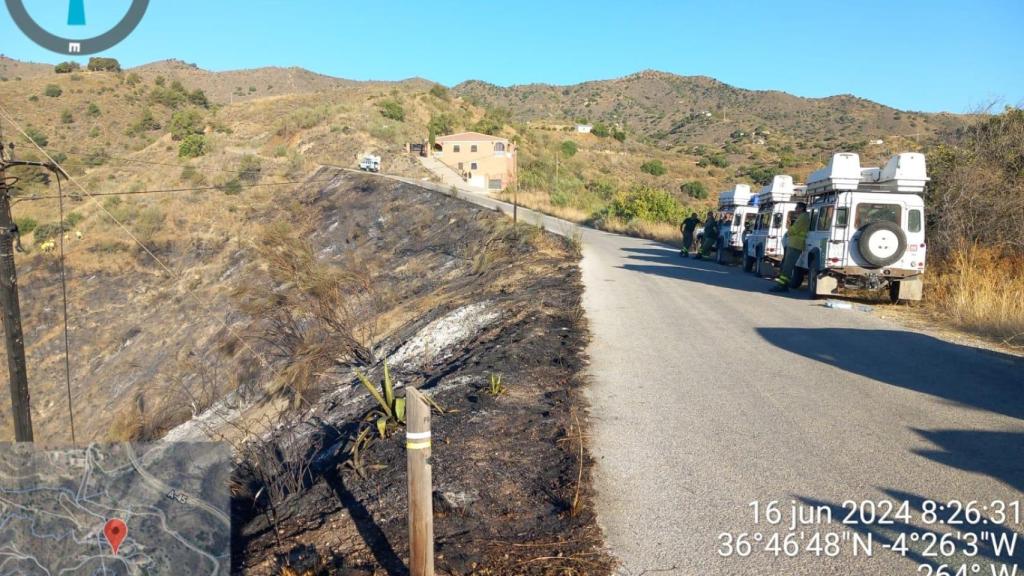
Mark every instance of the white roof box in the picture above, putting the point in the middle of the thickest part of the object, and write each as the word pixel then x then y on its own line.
pixel 738 196
pixel 780 190
pixel 906 173
pixel 842 173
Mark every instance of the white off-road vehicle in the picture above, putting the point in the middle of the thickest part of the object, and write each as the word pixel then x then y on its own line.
pixel 776 211
pixel 734 214
pixel 867 227
pixel 370 163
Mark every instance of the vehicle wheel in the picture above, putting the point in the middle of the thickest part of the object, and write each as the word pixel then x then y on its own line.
pixel 812 278
pixel 882 243
pixel 894 292
pixel 748 261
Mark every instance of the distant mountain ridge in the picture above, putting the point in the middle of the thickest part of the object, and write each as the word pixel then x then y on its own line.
pixel 671 110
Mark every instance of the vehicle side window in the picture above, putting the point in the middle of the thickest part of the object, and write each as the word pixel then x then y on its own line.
pixel 868 213
pixel 824 218
pixel 737 220
pixel 914 221
pixel 776 219
pixel 814 218
pixel 842 214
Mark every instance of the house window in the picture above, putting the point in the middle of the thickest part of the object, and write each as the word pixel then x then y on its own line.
pixel 455 148
pixel 472 148
pixel 472 165
pixel 499 147
pixel 494 184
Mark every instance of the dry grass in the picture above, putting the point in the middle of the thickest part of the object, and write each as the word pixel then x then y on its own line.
pixel 981 290
pixel 541 201
pixel 660 231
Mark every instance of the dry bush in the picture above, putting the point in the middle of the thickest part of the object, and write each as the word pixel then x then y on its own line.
pixel 313 316
pixel 981 290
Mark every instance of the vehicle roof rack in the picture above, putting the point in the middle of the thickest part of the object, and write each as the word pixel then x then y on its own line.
pixel 904 173
pixel 781 189
pixel 738 196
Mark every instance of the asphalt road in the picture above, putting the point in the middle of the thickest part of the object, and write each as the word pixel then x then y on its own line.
pixel 709 393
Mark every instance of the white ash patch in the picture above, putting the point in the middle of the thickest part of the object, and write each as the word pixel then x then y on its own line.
pixel 437 339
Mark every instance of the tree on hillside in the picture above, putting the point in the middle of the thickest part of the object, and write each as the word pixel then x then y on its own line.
pixel 694 189
pixel 439 91
pixel 600 130
pixel 653 167
pixel 193 146
pixel 569 148
pixel 52 90
pixel 392 110
pixel 103 65
pixel 67 67
pixel 619 135
pixel 493 121
pixel 184 123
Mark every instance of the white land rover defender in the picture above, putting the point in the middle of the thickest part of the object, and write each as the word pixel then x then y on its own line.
pixel 866 227
pixel 734 213
pixel 765 245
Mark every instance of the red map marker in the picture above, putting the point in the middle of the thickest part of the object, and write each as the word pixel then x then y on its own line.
pixel 115 531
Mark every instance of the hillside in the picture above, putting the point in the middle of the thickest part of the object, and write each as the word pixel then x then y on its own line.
pixel 672 111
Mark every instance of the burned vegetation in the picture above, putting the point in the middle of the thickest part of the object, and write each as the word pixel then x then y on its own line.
pixel 359 290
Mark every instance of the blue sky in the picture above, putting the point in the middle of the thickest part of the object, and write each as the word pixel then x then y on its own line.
pixel 922 55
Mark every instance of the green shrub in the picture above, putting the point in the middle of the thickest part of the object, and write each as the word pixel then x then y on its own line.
pixel 67 67
pixel 392 110
pixel 148 222
pixel 303 119
pixel 168 97
pixel 717 160
pixel 760 174
pixel 33 98
pixel 569 148
pixel 439 91
pixel 192 146
pixel 694 189
pixel 96 158
pixel 104 65
pixel 493 121
pixel 232 187
pixel 185 123
pixel 52 90
pixel 26 225
pixel 93 111
pixel 650 204
pixel 73 219
pixel 619 135
pixel 600 130
pixel 133 79
pixel 44 232
pixel 653 167
pixel 145 123
pixel 249 169
pixel 439 125
pixel 198 98
pixel 66 117
pixel 94 132
pixel 37 136
pixel 160 81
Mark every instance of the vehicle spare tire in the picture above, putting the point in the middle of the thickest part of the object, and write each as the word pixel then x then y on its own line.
pixel 882 243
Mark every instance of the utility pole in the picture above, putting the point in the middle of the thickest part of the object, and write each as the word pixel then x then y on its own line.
pixel 13 336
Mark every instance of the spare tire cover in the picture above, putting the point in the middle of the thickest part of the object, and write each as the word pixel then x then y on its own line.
pixel 882 243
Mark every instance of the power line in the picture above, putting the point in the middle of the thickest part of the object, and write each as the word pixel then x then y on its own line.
pixel 178 190
pixel 64 295
pixel 146 162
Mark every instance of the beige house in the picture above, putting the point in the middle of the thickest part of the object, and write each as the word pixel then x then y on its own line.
pixel 483 161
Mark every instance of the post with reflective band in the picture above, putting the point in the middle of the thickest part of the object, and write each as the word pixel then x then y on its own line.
pixel 421 509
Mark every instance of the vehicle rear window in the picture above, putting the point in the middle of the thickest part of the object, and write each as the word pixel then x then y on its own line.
pixel 841 217
pixel 914 221
pixel 824 218
pixel 777 220
pixel 737 220
pixel 868 213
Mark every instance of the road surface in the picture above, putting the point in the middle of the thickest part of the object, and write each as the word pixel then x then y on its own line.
pixel 709 393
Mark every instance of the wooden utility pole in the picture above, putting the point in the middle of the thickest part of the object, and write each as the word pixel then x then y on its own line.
pixel 13 336
pixel 421 508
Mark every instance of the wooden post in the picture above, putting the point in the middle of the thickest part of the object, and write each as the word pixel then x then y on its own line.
pixel 421 508
pixel 13 336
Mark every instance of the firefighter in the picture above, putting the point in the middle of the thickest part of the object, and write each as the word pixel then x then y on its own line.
pixel 710 236
pixel 687 228
pixel 796 236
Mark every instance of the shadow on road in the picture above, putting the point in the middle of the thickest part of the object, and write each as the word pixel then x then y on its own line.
pixel 666 262
pixel 965 376
pixel 998 454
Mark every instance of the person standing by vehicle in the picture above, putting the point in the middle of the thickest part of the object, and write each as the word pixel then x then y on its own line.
pixel 710 236
pixel 687 228
pixel 796 237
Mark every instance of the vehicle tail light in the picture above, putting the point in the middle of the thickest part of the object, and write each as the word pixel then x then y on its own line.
pixel 833 260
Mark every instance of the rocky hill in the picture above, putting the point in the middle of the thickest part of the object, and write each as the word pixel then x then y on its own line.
pixel 672 110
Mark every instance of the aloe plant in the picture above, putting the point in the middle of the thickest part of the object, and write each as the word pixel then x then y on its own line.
pixel 390 411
